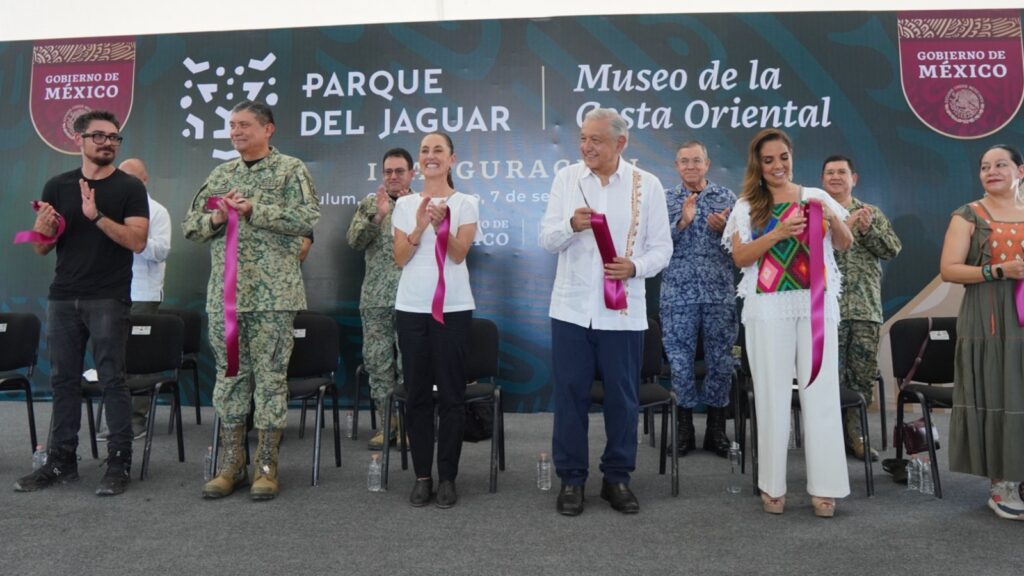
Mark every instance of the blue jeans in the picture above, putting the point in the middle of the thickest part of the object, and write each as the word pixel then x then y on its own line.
pixel 70 324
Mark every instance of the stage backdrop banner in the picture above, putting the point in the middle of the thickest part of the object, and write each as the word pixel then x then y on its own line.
pixel 914 98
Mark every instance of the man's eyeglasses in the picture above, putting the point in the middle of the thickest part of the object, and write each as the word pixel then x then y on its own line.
pixel 395 172
pixel 101 137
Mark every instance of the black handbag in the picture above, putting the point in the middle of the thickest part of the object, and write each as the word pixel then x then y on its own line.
pixel 479 423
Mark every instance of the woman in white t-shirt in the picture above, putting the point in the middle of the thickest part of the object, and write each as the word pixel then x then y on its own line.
pixel 433 351
pixel 766 235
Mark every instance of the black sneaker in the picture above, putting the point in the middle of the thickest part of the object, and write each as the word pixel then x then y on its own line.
pixel 60 467
pixel 118 475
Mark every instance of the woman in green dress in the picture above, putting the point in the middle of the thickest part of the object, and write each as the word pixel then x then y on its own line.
pixel 984 251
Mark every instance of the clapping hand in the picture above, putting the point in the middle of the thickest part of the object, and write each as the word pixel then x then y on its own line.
pixel 717 220
pixel 383 203
pixel 88 200
pixel 437 212
pixel 860 219
pixel 689 211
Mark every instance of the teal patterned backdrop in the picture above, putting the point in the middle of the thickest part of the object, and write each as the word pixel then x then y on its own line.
pixel 510 93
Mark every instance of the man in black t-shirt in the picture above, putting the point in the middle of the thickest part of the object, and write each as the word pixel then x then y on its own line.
pixel 106 216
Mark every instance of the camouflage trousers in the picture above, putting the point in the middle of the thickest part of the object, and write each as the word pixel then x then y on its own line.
pixel 858 356
pixel 379 358
pixel 265 341
pixel 681 324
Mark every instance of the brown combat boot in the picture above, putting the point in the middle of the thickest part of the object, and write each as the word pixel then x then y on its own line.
pixel 855 438
pixel 377 442
pixel 231 472
pixel 264 484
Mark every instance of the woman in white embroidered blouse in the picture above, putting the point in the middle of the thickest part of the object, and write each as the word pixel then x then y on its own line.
pixel 433 351
pixel 763 233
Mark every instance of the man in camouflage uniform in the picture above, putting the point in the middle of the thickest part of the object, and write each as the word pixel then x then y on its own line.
pixel 277 205
pixel 370 231
pixel 861 302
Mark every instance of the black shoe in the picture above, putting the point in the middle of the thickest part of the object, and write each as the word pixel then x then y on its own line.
pixel 898 469
pixel 715 439
pixel 446 495
pixel 686 437
pixel 118 475
pixel 421 492
pixel 620 497
pixel 570 500
pixel 60 467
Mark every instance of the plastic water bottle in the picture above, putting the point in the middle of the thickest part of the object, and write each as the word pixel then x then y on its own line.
pixel 927 485
pixel 39 457
pixel 914 474
pixel 208 464
pixel 373 474
pixel 348 424
pixel 544 471
pixel 733 487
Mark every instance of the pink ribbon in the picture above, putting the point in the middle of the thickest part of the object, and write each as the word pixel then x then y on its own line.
pixel 816 248
pixel 441 254
pixel 38 237
pixel 230 284
pixel 614 290
pixel 1018 298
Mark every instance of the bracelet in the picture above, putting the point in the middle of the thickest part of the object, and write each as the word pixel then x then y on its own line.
pixel 986 273
pixel 99 216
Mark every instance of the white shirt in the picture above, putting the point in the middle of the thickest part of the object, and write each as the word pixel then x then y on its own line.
pixel 149 265
pixel 578 293
pixel 419 275
pixel 791 303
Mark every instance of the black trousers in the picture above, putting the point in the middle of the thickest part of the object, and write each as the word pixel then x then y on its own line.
pixel 433 355
pixel 70 324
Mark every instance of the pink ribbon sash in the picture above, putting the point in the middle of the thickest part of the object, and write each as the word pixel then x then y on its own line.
pixel 230 285
pixel 1018 298
pixel 38 237
pixel 441 254
pixel 816 248
pixel 614 290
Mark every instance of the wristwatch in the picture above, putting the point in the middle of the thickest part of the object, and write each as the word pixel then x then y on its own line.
pixel 99 216
pixel 999 272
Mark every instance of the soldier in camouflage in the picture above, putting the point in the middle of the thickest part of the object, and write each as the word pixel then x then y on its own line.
pixel 861 302
pixel 277 205
pixel 370 231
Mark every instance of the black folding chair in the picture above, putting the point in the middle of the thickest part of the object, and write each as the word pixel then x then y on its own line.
pixel 923 352
pixel 19 344
pixel 311 372
pixel 152 361
pixel 311 369
pixel 193 320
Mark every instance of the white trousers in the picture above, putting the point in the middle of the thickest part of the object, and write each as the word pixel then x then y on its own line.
pixel 776 348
